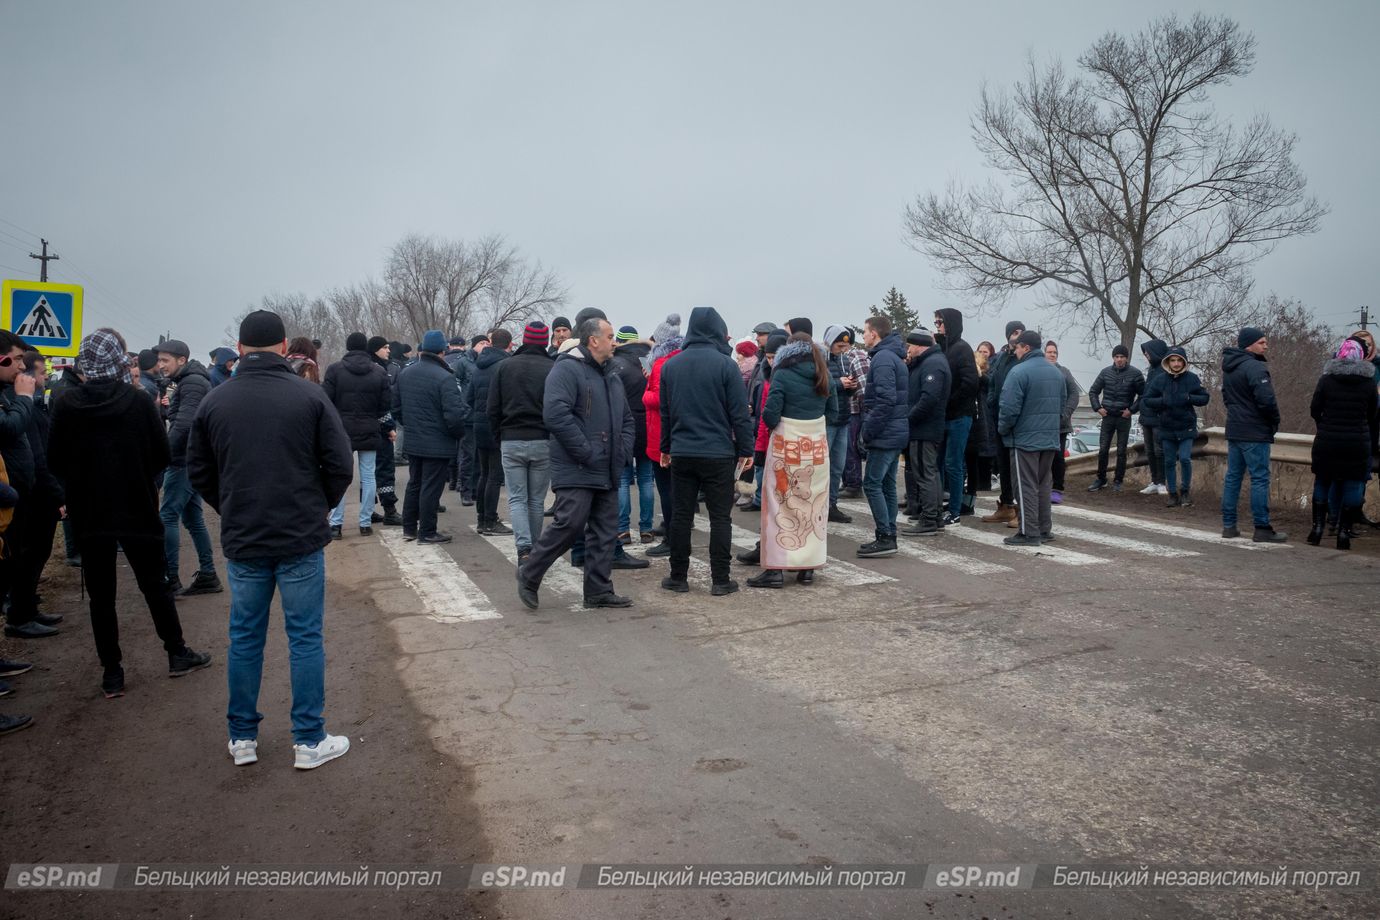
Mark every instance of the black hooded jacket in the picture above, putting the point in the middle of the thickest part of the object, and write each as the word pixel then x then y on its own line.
pixel 358 388
pixel 188 387
pixel 627 364
pixel 704 405
pixel 16 412
pixel 963 370
pixel 1154 351
pixel 1252 412
pixel 107 447
pixel 485 366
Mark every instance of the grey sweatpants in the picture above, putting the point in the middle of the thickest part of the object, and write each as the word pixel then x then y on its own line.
pixel 1034 480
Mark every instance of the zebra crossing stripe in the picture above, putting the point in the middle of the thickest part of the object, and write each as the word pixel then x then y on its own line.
pixel 446 592
pixel 917 548
pixel 1169 530
pixel 835 571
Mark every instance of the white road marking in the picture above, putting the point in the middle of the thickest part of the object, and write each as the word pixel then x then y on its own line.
pixel 1125 543
pixel 835 571
pixel 917 547
pixel 446 592
pixel 1169 530
pixel 562 576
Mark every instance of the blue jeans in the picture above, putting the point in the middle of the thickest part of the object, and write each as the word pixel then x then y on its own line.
pixel 366 492
pixel 646 495
pixel 1339 493
pixel 837 436
pixel 879 485
pixel 181 503
pixel 527 471
pixel 955 450
pixel 1242 457
pixel 1178 455
pixel 302 581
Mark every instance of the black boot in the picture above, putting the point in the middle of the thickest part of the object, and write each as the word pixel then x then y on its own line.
pixel 805 577
pixel 771 578
pixel 1344 528
pixel 1173 500
pixel 1319 521
pixel 752 556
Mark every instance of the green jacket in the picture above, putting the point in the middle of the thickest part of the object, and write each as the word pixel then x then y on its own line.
pixel 792 393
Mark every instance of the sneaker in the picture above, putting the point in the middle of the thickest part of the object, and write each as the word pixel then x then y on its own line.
pixel 244 751
pixel 366 531
pixel 174 584
pixel 30 630
pixel 771 578
pixel 678 585
pixel 336 533
pixel 646 536
pixel 376 518
pixel 311 756
pixel 526 593
pixel 1098 485
pixel 392 519
pixel 838 517
pixel 1020 539
pixel 1152 489
pixel 1185 500
pixel 850 492
pixel 466 502
pixel 436 537
pixel 722 588
pixel 187 661
pixel 1173 500
pixel 10 668
pixel 608 600
pixel 884 545
pixel 1116 487
pixel 625 538
pixel 622 560
pixel 1162 489
pixel 440 509
pixel 1268 534
pixel 661 549
pixel 1046 536
pixel 5 689
pixel 920 529
pixel 113 682
pixel 752 556
pixel 14 723
pixel 409 537
pixel 48 619
pixel 949 519
pixel 499 529
pixel 1230 533
pixel 204 583
pixel 1056 498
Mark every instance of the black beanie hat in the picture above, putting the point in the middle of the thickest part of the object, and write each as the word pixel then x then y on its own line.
pixel 559 322
pixel 356 341
pixel 801 324
pixel 148 359
pixel 774 341
pixel 1012 326
pixel 1248 337
pixel 261 329
pixel 1121 351
pixel 375 343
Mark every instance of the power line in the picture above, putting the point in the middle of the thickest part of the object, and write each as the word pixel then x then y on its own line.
pixel 22 271
pixel 19 228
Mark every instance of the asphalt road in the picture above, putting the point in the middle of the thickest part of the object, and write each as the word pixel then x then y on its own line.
pixel 1143 693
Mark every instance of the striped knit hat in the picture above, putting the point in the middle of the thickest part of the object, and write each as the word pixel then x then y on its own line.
pixel 626 334
pixel 536 333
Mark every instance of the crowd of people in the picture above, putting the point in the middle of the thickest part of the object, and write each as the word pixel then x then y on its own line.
pixel 782 424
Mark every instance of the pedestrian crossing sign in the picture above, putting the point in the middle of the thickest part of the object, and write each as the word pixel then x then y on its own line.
pixel 46 315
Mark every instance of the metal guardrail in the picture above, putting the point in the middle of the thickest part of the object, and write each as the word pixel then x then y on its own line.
pixel 1211 442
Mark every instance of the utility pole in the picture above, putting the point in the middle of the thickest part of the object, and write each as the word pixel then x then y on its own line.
pixel 45 259
pixel 1365 317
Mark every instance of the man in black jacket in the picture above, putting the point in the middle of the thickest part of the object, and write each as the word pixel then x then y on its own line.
pixel 1115 395
pixel 467 467
pixel 1252 420
pixel 358 388
pixel 486 445
pixel 16 413
pixel 427 401
pixel 269 453
pixel 929 385
pixel 188 385
pixel 514 412
pixel 706 440
pixel 107 448
pixel 385 474
pixel 45 508
pixel 961 407
pixel 586 412
pixel 1001 365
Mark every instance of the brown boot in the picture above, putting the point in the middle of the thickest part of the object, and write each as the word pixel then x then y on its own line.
pixel 1015 522
pixel 1003 514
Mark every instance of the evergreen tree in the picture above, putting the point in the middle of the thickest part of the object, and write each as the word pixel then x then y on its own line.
pixel 894 306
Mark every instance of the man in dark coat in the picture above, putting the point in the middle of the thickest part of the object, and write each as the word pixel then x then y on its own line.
pixel 427 401
pixel 928 393
pixel 1001 365
pixel 706 440
pixel 1115 395
pixel 188 385
pixel 17 391
pixel 885 431
pixel 107 448
pixel 467 468
pixel 486 444
pixel 269 453
pixel 45 503
pixel 358 388
pixel 385 474
pixel 1032 404
pixel 514 410
pixel 1154 352
pixel 1252 420
pixel 586 412
pixel 962 405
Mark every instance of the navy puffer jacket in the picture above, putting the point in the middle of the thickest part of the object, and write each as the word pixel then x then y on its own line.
pixel 485 366
pixel 886 425
pixel 1154 351
pixel 427 403
pixel 927 399
pixel 1252 413
pixel 1175 399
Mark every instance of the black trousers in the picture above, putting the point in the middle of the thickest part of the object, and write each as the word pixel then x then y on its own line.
pixel 426 480
pixel 1060 463
pixel 588 513
pixel 386 476
pixel 1007 496
pixel 16 539
pixel 713 475
pixel 1113 426
pixel 490 478
pixel 664 493
pixel 145 557
pixel 469 464
pixel 34 549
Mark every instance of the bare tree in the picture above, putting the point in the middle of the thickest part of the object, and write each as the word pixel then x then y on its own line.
pixel 524 291
pixel 1132 206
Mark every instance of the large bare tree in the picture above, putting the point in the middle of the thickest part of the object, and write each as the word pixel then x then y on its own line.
pixel 1130 205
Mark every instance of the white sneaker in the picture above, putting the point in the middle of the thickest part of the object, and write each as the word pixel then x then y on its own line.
pixel 1151 489
pixel 244 751
pixel 1163 489
pixel 309 757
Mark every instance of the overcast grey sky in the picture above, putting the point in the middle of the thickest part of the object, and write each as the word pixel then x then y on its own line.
pixel 186 158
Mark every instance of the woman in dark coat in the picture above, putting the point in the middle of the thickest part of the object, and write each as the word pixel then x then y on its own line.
pixel 1345 409
pixel 982 439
